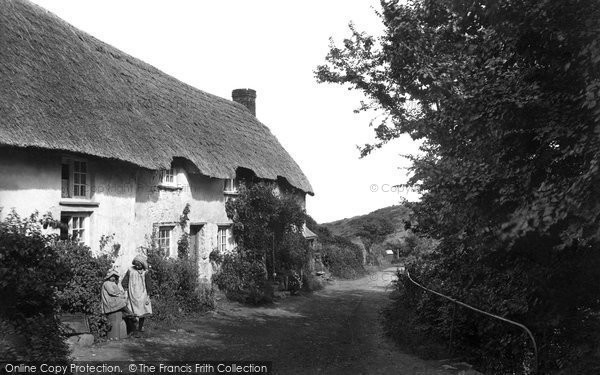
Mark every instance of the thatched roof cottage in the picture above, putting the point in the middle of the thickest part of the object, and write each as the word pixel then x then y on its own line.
pixel 112 145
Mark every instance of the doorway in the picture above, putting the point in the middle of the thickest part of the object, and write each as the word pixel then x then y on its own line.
pixel 195 240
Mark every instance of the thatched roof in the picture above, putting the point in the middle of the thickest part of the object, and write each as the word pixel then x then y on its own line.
pixel 63 89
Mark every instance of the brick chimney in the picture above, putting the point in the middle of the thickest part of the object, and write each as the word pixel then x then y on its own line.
pixel 247 97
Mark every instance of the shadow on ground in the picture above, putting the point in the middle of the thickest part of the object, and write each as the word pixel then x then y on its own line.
pixel 333 331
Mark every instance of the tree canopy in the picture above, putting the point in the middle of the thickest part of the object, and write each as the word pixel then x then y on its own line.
pixel 505 95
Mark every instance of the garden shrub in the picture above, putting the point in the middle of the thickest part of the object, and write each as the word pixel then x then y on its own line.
pixel 343 260
pixel 30 273
pixel 311 283
pixel 215 256
pixel 242 277
pixel 267 228
pixel 294 282
pixel 292 253
pixel 84 274
pixel 177 289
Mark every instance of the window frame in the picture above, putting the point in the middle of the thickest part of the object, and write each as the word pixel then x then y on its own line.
pixel 231 186
pixel 223 238
pixel 83 227
pixel 162 228
pixel 162 177
pixel 72 186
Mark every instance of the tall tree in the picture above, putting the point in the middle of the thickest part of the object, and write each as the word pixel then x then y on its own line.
pixel 505 95
pixel 269 224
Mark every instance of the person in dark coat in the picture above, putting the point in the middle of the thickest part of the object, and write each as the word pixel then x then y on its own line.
pixel 113 297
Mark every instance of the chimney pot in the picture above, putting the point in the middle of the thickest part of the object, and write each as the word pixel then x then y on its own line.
pixel 247 97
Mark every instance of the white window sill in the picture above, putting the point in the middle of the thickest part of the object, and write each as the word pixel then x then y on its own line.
pixel 78 202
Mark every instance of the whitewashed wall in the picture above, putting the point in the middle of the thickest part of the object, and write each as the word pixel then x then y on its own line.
pixel 128 204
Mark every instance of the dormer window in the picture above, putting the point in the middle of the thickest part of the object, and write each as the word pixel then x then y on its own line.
pixel 231 186
pixel 166 177
pixel 75 178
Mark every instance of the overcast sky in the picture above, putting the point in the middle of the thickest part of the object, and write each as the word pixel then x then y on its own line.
pixel 271 46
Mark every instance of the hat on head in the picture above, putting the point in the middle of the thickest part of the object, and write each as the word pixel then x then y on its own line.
pixel 142 259
pixel 110 273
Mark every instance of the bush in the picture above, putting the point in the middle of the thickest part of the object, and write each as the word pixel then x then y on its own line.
pixel 215 256
pixel 343 260
pixel 30 274
pixel 84 274
pixel 267 227
pixel 36 338
pixel 243 278
pixel 342 257
pixel 292 254
pixel 177 289
pixel 312 283
pixel 566 338
pixel 294 283
pixel 403 323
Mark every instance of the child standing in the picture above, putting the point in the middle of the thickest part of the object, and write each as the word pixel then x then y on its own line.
pixel 139 286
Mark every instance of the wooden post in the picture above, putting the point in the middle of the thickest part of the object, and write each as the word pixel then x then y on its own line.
pixel 123 331
pixel 115 319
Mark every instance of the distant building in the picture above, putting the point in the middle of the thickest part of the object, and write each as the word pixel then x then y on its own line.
pixel 109 144
pixel 310 236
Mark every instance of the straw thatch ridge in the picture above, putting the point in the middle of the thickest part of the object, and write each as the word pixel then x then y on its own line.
pixel 63 89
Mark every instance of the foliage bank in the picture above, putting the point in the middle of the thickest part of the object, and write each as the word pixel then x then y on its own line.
pixel 343 258
pixel 505 96
pixel 29 278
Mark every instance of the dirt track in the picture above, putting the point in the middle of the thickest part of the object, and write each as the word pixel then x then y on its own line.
pixel 333 331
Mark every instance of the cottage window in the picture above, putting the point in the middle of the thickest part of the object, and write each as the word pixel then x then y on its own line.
pixel 74 178
pixel 164 239
pixel 79 178
pixel 167 177
pixel 230 186
pixel 75 227
pixel 222 238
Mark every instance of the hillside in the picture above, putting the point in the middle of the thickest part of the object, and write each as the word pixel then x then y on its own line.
pixel 375 233
pixel 348 244
pixel 380 222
